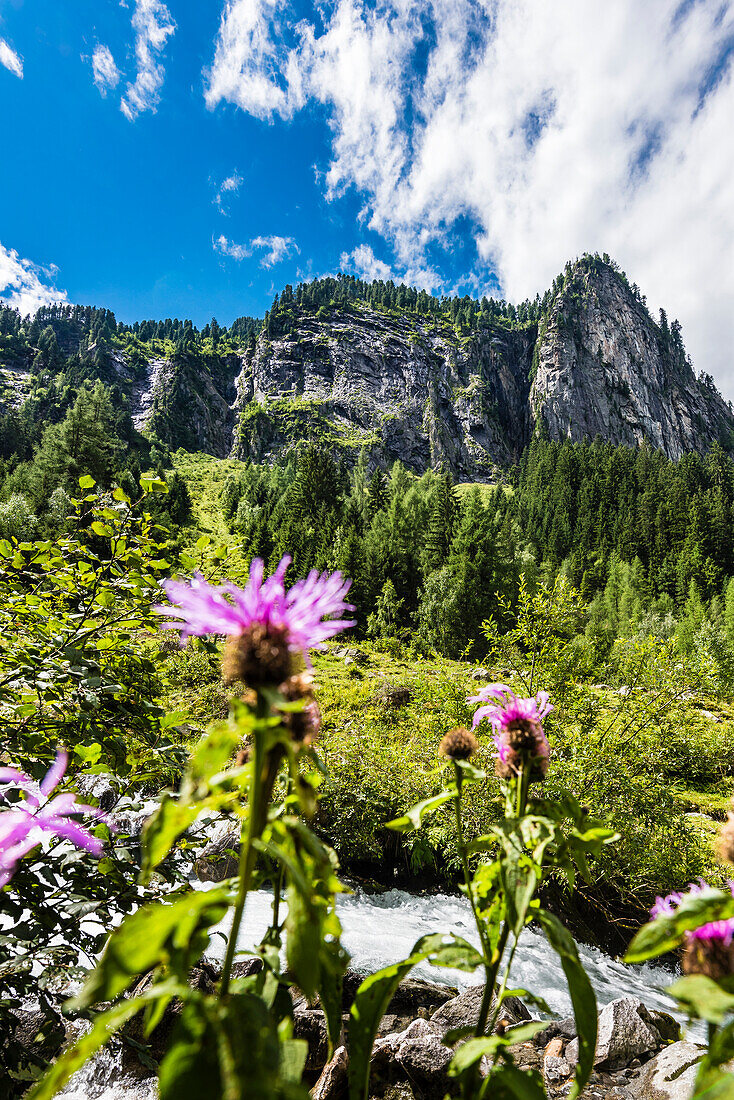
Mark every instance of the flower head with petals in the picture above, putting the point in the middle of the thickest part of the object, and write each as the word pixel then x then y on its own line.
pixel 267 620
pixel 25 822
pixel 518 729
pixel 708 948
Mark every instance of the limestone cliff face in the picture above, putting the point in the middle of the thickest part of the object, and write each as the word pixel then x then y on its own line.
pixel 187 402
pixel 405 387
pixel 603 367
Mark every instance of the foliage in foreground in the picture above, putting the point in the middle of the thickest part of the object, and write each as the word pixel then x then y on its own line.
pixel 239 1040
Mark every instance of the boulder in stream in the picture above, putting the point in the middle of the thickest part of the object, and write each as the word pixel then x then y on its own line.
pixel 463 1011
pixel 626 1031
pixel 671 1074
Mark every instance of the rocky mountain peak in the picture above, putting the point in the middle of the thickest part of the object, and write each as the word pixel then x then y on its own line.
pixel 603 367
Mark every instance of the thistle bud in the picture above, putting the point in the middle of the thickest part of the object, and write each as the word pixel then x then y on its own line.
pixel 258 657
pixel 713 957
pixel 304 724
pixel 458 744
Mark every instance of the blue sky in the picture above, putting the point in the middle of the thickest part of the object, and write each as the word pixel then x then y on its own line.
pixel 126 210
pixel 461 145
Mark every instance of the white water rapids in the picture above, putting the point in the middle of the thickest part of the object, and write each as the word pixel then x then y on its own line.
pixel 379 929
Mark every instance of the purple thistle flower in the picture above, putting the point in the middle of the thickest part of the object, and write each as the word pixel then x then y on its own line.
pixel 25 823
pixel 518 728
pixel 301 616
pixel 719 930
pixel 722 930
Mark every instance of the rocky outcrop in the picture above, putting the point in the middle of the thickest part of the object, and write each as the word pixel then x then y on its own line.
pixel 187 402
pixel 406 386
pixel 603 367
pixel 403 386
pixel 419 387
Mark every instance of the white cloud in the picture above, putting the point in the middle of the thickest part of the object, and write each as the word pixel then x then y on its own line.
pixel 153 25
pixel 252 66
pixel 23 285
pixel 230 248
pixel 362 261
pixel 106 72
pixel 275 249
pixel 551 129
pixel 10 59
pixel 228 187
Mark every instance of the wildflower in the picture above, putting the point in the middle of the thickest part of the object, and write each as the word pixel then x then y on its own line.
pixel 304 724
pixel 458 744
pixel 518 730
pixel 23 824
pixel 709 949
pixel 266 623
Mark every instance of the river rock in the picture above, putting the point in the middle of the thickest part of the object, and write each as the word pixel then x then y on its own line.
pixel 409 998
pixel 417 1054
pixel 563 1029
pixel 626 1031
pixel 332 1084
pixel 310 1024
pixel 556 1069
pixel 424 1058
pixel 219 857
pixel 463 1011
pixel 671 1074
pixel 667 1027
pixel 104 788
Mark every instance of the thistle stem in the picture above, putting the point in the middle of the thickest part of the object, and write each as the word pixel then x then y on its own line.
pixel 264 770
pixel 493 968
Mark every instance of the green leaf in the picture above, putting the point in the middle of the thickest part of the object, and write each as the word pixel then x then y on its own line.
pixel 473 1050
pixel 368 1008
pixel 303 940
pixel 102 529
pixel 333 959
pixel 150 484
pixel 202 542
pixel 162 830
pixel 519 879
pixel 293 1054
pixel 414 817
pixel 87 482
pixel 469 774
pixel 522 1084
pixel 451 951
pixel 582 996
pixel 174 934
pixel 665 933
pixel 703 997
pixel 713 1082
pixel 228 1050
pixel 720 1087
pixel 88 754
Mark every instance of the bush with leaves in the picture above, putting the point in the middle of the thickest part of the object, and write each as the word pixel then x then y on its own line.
pixel 79 661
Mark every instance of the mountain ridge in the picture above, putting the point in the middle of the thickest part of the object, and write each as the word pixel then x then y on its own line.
pixel 446 383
